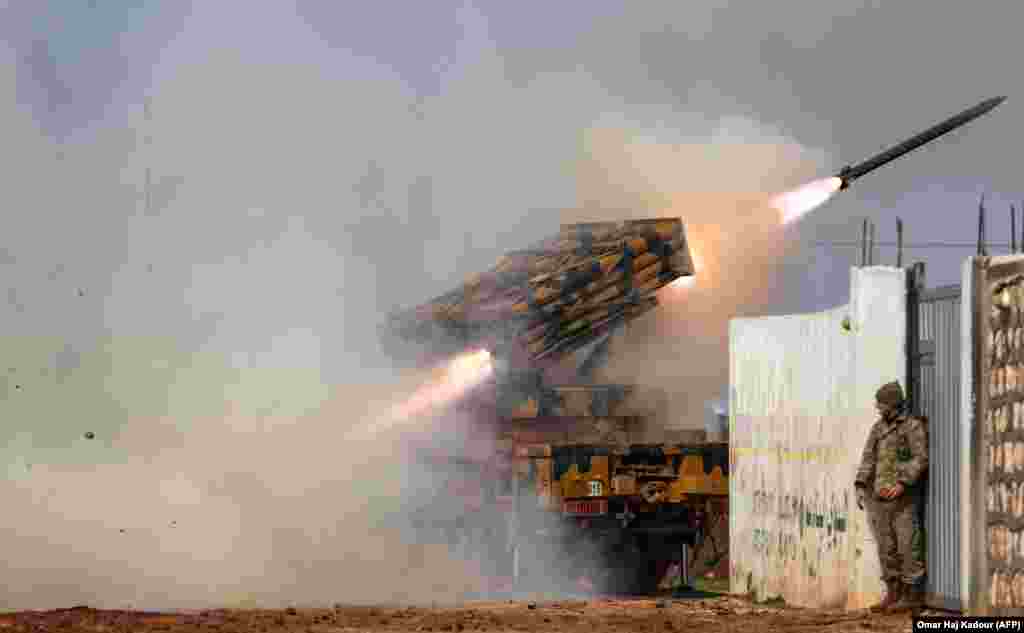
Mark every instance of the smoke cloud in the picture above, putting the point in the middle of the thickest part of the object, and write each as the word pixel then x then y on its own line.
pixel 721 185
pixel 198 288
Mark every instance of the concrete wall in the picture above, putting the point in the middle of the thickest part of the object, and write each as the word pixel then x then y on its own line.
pixel 802 403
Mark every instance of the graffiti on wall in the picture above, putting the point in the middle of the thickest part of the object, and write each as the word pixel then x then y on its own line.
pixel 804 523
pixel 802 516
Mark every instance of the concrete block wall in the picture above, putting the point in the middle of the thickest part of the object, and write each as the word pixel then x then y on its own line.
pixel 801 405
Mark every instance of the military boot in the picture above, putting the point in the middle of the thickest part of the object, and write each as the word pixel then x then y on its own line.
pixel 893 593
pixel 912 599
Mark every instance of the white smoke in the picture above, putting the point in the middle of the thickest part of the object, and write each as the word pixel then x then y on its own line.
pixel 214 329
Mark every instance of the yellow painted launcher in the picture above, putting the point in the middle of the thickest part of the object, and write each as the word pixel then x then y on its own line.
pixel 657 474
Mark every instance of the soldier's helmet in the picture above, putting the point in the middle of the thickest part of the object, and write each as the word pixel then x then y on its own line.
pixel 890 394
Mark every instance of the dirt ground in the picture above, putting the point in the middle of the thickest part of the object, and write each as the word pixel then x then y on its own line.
pixel 724 614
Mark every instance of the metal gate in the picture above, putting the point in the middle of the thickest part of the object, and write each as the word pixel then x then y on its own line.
pixel 933 387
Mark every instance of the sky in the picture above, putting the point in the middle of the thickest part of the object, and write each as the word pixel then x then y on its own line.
pixel 312 165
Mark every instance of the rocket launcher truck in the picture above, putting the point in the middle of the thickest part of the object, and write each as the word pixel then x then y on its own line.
pixel 570 476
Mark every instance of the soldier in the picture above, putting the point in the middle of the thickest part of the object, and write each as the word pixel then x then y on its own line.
pixel 890 487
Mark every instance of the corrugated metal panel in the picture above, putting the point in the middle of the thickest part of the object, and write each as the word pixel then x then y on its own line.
pixel 939 397
pixel 968 581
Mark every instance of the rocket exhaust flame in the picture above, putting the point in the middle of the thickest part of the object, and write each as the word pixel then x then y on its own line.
pixel 796 203
pixel 449 382
pixel 684 282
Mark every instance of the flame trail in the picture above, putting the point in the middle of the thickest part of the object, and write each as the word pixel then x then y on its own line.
pixel 794 204
pixel 684 282
pixel 449 382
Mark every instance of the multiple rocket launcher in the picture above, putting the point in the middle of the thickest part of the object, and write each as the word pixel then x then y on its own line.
pixel 554 299
pixel 559 295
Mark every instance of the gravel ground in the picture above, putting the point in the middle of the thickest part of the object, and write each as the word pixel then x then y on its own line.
pixel 718 614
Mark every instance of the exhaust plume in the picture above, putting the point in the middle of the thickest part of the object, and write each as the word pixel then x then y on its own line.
pixel 798 202
pixel 449 382
pixel 722 186
pixel 189 358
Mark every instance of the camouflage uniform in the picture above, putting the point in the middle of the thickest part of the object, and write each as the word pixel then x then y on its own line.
pixel 896 452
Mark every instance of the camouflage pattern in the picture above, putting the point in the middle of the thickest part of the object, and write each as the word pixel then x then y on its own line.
pixel 522 399
pixel 899 532
pixel 896 451
pixel 890 394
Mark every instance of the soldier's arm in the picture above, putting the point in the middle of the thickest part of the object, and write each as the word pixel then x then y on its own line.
pixel 917 438
pixel 867 459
